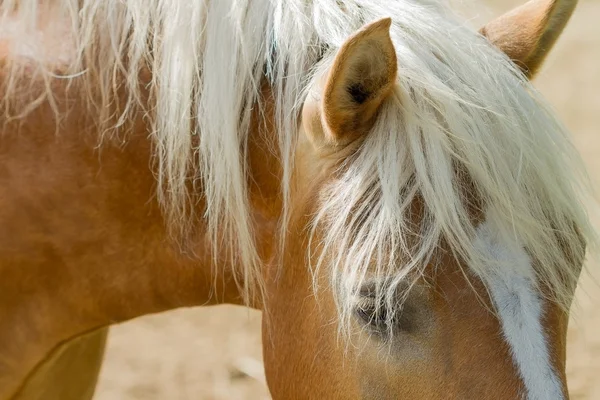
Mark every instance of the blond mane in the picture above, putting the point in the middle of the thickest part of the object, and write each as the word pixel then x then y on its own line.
pixel 459 105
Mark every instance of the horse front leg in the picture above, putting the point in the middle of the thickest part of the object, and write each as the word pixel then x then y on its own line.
pixel 69 372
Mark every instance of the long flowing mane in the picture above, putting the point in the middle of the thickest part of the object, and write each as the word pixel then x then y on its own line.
pixel 460 107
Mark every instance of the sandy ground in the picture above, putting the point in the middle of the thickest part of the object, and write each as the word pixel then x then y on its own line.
pixel 214 353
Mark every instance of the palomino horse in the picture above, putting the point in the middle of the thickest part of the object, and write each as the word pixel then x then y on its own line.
pixel 381 180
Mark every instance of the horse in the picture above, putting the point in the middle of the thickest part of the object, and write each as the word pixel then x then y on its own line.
pixel 381 180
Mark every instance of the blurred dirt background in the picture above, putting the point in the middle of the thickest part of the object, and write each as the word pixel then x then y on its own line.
pixel 214 353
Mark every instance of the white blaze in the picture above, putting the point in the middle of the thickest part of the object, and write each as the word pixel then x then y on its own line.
pixel 519 307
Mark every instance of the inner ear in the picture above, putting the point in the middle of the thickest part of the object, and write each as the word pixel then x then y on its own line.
pixel 362 76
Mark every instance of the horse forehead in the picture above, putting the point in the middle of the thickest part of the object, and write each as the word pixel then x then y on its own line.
pixel 515 343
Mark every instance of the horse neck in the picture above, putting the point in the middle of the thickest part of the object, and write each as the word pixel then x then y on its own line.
pixel 130 266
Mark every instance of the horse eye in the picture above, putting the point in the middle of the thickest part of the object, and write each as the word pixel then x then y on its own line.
pixel 377 316
pixel 371 315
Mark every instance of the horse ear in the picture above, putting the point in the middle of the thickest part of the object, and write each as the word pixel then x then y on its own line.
pixel 362 76
pixel 528 33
